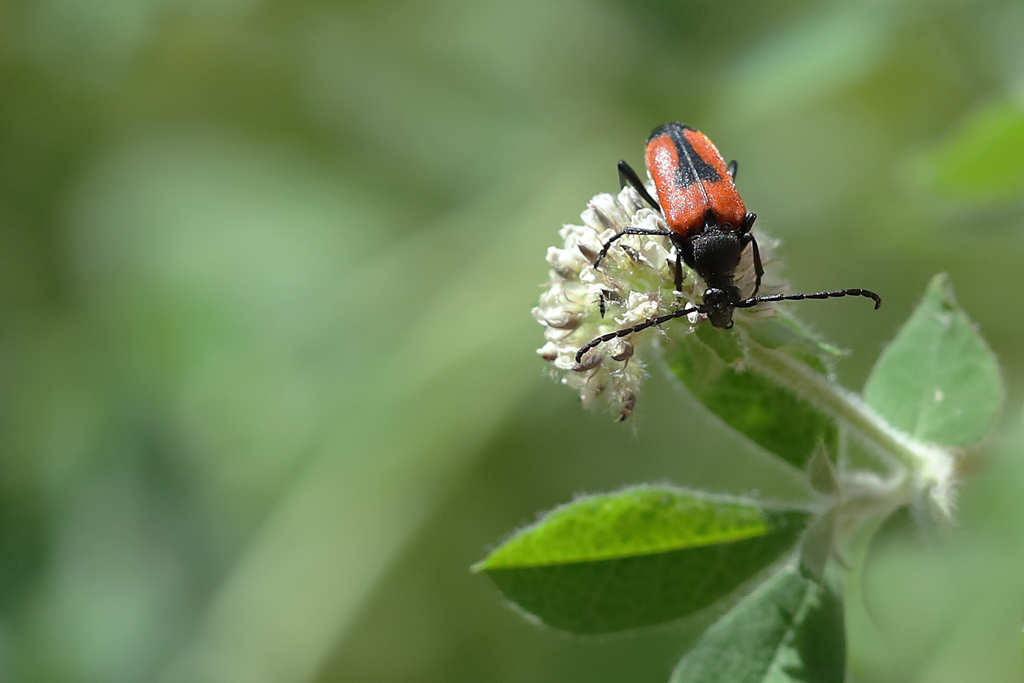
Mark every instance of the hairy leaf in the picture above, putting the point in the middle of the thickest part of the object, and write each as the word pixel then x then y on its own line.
pixel 789 630
pixel 779 421
pixel 638 557
pixel 937 380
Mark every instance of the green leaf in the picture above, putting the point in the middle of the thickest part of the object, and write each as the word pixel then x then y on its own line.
pixel 984 160
pixel 770 415
pixel 727 347
pixel 821 473
pixel 937 380
pixel 783 331
pixel 788 630
pixel 816 548
pixel 638 557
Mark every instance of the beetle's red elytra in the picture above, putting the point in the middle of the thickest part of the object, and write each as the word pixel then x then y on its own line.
pixel 709 227
pixel 691 179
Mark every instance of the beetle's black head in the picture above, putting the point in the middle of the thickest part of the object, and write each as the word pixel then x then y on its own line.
pixel 719 303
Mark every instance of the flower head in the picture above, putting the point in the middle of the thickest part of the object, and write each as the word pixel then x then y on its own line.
pixel 633 284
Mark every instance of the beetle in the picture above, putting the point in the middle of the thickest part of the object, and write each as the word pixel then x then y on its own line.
pixel 709 226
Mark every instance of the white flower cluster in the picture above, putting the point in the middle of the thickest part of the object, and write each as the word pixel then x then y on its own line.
pixel 633 283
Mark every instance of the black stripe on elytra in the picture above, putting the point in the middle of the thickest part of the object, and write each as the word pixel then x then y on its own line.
pixel 692 165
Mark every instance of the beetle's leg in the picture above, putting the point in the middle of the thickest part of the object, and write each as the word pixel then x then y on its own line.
pixel 748 238
pixel 627 176
pixel 623 233
pixel 748 222
pixel 731 169
pixel 679 270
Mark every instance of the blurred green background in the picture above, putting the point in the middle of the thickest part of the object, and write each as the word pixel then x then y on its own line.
pixel 267 373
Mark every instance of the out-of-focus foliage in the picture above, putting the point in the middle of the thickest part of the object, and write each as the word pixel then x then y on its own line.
pixel 267 382
pixel 984 160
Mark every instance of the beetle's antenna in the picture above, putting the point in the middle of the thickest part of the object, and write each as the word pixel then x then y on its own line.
pixel 635 328
pixel 754 300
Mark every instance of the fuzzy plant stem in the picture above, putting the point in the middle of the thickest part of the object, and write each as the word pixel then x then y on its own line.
pixel 928 465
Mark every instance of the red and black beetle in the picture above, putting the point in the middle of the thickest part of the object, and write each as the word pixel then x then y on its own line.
pixel 708 224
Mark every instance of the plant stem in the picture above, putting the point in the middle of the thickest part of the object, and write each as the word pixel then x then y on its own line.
pixel 844 406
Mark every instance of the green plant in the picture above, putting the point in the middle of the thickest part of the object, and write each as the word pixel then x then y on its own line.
pixel 650 554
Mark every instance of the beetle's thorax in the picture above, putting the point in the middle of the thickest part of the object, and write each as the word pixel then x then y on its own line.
pixel 715 253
